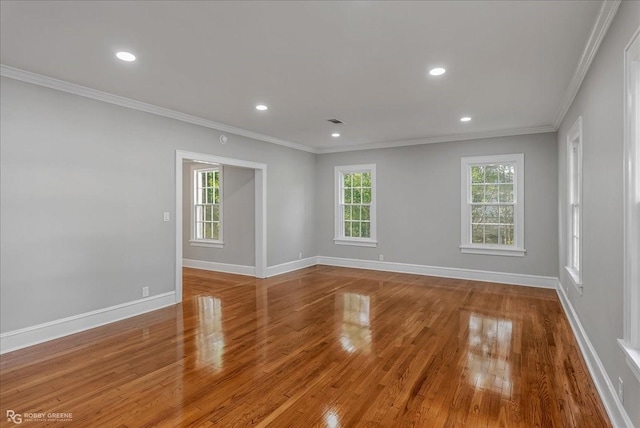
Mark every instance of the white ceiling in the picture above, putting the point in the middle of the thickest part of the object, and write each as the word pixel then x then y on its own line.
pixel 509 63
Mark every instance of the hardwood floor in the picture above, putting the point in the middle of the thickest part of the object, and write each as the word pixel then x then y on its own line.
pixel 324 346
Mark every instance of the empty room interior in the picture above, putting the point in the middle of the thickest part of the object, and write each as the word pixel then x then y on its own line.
pixel 320 213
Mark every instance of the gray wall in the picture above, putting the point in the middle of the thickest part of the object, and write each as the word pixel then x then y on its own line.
pixel 418 204
pixel 83 188
pixel 600 103
pixel 238 220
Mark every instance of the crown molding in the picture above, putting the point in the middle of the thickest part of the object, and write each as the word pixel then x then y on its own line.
pixel 83 91
pixel 442 139
pixel 603 21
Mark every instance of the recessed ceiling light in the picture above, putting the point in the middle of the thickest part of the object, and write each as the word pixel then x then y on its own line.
pixel 335 135
pixel 261 107
pixel 465 119
pixel 438 71
pixel 126 56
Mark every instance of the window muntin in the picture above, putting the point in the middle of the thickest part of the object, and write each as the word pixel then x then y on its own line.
pixel 492 208
pixel 355 205
pixel 207 204
pixel 574 207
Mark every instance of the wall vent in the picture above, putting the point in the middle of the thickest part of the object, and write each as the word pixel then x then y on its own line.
pixel 336 121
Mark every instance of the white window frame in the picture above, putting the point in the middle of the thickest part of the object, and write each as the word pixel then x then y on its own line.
pixel 466 246
pixel 630 344
pixel 340 239
pixel 574 236
pixel 211 243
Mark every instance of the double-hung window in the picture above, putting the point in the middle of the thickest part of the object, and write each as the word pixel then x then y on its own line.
pixel 355 217
pixel 574 208
pixel 492 206
pixel 206 213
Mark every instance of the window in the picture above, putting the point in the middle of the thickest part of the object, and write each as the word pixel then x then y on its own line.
pixel 631 341
pixel 356 205
pixel 206 212
pixel 493 205
pixel 574 208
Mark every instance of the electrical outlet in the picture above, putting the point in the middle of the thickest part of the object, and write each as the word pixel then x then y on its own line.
pixel 145 291
pixel 299 256
pixel 381 257
pixel 621 390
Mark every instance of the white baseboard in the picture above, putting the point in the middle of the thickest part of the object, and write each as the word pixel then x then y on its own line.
pixel 613 406
pixel 475 275
pixel 291 266
pixel 18 339
pixel 220 267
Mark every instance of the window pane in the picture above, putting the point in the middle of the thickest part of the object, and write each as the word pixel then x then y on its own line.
pixel 199 213
pixel 217 199
pixel 347 212
pixel 207 231
pixel 356 179
pixel 506 214
pixel 365 230
pixel 366 196
pixel 506 235
pixel 215 233
pixel 506 173
pixel 207 212
pixel 347 196
pixel 202 196
pixel 506 193
pixel 347 229
pixel 477 234
pixel 355 229
pixel 477 193
pixel 347 180
pixel 199 231
pixel 491 193
pixel 477 214
pixel 355 212
pixel 210 195
pixel 491 214
pixel 366 179
pixel 491 234
pixel 215 216
pixel 365 214
pixel 357 196
pixel 477 174
pixel 203 179
pixel 491 173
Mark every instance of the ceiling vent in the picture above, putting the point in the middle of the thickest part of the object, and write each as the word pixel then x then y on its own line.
pixel 336 121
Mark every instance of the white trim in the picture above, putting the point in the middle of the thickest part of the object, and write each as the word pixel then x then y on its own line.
pixel 338 221
pixel 24 337
pixel 291 266
pixel 219 267
pixel 603 21
pixel 83 91
pixel 466 246
pixel 206 243
pixel 355 242
pixel 608 394
pixel 440 139
pixel 631 191
pixel 632 356
pixel 493 250
pixel 445 272
pixel 260 170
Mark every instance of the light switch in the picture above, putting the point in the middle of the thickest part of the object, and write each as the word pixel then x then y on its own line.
pixel 166 216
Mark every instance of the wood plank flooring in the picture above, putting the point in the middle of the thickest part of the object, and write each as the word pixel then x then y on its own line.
pixel 323 346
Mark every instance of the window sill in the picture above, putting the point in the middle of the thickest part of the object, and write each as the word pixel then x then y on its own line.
pixel 210 244
pixel 493 250
pixel 632 356
pixel 575 278
pixel 356 243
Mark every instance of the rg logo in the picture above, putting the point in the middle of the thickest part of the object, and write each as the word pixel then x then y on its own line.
pixel 14 417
